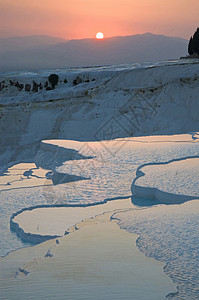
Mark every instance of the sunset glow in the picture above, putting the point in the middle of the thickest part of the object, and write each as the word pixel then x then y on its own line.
pixel 82 19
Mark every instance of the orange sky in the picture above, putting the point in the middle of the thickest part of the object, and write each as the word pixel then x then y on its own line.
pixel 83 18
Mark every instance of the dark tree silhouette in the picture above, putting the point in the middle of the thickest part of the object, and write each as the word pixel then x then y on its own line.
pixel 190 46
pixel 196 41
pixel 193 47
pixel 53 79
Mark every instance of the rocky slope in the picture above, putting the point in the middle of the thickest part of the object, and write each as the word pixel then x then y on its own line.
pixel 96 104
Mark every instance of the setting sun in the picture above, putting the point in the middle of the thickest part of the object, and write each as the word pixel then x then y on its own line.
pixel 99 36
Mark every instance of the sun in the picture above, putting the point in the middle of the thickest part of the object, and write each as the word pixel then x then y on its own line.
pixel 99 36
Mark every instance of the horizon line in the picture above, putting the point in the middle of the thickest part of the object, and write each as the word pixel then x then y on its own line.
pixel 89 38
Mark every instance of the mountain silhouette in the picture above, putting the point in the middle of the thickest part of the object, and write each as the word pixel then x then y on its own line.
pixel 41 52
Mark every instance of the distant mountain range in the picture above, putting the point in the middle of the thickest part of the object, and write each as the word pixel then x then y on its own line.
pixel 21 43
pixel 44 52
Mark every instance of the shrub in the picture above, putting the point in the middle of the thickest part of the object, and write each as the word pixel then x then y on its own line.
pixel 53 79
pixel 77 81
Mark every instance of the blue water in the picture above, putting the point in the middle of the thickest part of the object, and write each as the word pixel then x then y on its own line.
pixel 170 234
pixel 109 176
